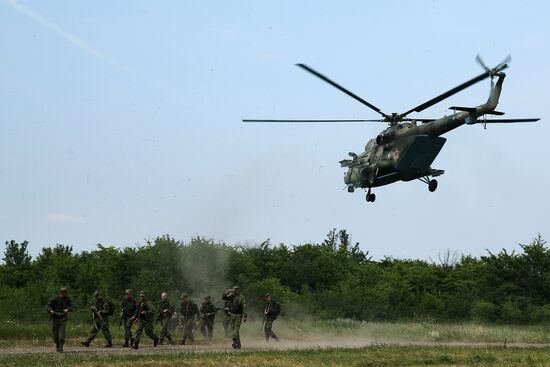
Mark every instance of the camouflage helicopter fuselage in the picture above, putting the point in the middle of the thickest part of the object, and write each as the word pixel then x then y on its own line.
pixel 405 151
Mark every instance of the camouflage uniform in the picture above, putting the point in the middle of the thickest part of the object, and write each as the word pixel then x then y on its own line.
pixel 188 312
pixel 165 312
pixel 271 311
pixel 208 316
pixel 227 319
pixel 58 309
pixel 145 315
pixel 100 310
pixel 238 314
pixel 128 310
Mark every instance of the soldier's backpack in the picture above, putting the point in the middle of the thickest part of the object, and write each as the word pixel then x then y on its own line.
pixel 111 305
pixel 275 310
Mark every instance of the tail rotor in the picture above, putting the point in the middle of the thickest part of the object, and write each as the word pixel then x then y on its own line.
pixel 494 71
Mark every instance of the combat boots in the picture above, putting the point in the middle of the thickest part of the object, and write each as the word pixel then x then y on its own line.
pixel 155 341
pixel 136 345
pixel 182 342
pixel 126 343
pixel 85 343
pixel 161 341
pixel 108 345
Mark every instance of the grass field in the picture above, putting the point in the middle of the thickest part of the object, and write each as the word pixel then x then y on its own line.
pixel 15 334
pixel 313 343
pixel 367 356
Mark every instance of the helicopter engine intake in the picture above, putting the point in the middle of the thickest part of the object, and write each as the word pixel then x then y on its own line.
pixel 385 138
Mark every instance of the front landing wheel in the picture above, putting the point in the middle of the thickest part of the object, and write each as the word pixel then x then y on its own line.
pixel 432 186
pixel 371 197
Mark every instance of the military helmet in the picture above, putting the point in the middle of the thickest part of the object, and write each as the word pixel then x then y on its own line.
pixel 142 294
pixel 128 291
pixel 236 288
pixel 267 295
pixel 63 290
pixel 207 298
pixel 184 296
pixel 97 294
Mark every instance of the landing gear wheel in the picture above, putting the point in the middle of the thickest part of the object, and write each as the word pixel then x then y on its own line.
pixel 351 188
pixel 371 197
pixel 432 185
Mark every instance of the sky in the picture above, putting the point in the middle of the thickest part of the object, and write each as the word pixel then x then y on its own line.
pixel 121 121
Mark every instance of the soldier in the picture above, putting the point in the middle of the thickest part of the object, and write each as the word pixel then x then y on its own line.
pixel 165 312
pixel 58 308
pixel 127 311
pixel 144 315
pixel 238 313
pixel 101 310
pixel 188 312
pixel 271 311
pixel 208 315
pixel 227 316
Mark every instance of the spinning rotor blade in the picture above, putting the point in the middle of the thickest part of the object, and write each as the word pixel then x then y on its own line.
pixel 488 73
pixel 480 62
pixel 342 120
pixel 339 87
pixel 449 93
pixel 507 121
pixel 503 65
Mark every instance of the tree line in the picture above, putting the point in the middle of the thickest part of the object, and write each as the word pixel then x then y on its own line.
pixel 332 279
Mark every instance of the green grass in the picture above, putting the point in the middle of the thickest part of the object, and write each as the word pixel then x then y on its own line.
pixel 20 334
pixel 360 357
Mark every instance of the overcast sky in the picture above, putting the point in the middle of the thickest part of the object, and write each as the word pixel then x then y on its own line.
pixel 120 121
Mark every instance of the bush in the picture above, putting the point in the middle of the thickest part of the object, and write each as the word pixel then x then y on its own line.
pixel 484 311
pixel 511 313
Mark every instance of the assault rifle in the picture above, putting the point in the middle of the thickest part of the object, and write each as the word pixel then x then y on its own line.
pixel 96 314
pixel 205 315
pixel 266 312
pixel 137 316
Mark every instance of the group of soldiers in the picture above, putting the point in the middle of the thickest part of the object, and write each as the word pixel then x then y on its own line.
pixel 145 316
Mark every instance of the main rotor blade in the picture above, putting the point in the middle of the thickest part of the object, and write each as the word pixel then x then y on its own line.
pixel 449 93
pixel 506 121
pixel 339 87
pixel 341 120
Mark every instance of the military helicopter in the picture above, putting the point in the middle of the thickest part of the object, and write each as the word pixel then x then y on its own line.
pixel 406 149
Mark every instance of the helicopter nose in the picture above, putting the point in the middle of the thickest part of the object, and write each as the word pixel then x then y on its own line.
pixel 347 177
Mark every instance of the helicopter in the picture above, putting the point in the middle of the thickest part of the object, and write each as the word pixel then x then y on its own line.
pixel 405 150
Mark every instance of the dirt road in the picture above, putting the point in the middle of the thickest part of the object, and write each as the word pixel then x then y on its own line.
pixel 260 346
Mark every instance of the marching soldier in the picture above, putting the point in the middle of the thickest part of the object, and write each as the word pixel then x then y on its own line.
pixel 271 311
pixel 58 308
pixel 208 315
pixel 127 311
pixel 144 315
pixel 238 313
pixel 165 312
pixel 188 312
pixel 101 310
